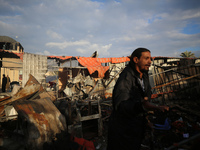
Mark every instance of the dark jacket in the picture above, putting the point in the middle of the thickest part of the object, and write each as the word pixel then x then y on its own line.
pixel 127 124
pixel 4 82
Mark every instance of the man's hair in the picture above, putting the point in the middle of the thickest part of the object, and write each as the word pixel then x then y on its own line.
pixel 138 52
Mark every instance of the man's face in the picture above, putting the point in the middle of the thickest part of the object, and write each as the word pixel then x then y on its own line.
pixel 144 62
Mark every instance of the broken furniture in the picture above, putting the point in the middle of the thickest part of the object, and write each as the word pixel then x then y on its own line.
pixel 85 113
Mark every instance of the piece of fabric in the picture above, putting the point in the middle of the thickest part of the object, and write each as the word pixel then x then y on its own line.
pixel 85 144
pixel 104 60
pixel 113 60
pixel 127 122
pixel 119 59
pixel 93 65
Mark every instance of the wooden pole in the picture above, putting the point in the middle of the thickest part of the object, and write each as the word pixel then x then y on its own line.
pixel 176 81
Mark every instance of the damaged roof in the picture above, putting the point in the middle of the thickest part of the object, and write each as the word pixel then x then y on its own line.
pixel 92 64
pixel 7 39
pixel 9 54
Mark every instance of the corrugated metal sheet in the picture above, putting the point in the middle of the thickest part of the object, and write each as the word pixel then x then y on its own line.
pixel 43 121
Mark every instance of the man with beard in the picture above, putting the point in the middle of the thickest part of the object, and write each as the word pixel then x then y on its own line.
pixel 130 100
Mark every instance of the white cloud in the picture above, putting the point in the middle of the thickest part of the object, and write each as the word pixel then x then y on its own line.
pixel 54 34
pixel 80 27
pixel 66 44
pixel 191 14
pixel 81 47
pixel 46 53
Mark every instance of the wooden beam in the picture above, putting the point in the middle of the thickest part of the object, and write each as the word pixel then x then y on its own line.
pixel 173 82
pixel 85 118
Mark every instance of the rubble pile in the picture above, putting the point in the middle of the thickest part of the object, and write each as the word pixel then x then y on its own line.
pixel 32 118
pixel 37 123
pixel 179 128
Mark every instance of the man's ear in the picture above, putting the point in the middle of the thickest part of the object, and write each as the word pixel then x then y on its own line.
pixel 135 60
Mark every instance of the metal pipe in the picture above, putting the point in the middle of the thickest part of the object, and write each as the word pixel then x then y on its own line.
pixel 183 142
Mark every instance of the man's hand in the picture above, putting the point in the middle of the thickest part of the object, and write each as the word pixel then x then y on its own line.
pixel 163 108
pixel 146 98
pixel 149 106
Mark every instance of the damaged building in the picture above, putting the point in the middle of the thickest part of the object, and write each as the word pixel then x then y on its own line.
pixel 66 101
pixel 11 58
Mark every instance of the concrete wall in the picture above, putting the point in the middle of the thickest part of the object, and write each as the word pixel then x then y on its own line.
pixel 13 68
pixel 35 65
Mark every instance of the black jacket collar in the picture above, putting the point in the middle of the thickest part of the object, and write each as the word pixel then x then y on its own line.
pixel 137 74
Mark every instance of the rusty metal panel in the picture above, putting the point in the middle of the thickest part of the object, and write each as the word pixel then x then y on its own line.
pixel 41 121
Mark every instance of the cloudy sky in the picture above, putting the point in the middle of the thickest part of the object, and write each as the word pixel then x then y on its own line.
pixel 114 28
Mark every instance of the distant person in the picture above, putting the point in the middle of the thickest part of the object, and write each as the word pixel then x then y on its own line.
pixel 8 83
pixel 4 82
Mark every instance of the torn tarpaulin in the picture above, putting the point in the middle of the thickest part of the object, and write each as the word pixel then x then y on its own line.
pixel 93 65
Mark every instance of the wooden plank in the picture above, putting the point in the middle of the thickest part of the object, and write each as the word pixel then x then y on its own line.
pixel 5 98
pixel 100 123
pixel 190 111
pixel 85 118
